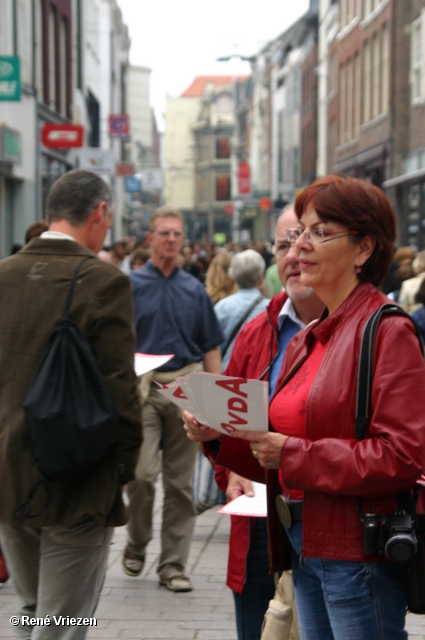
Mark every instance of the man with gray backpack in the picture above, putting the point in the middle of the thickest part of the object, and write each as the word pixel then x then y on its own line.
pixel 65 456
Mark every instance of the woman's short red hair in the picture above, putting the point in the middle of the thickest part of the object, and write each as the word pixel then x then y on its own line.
pixel 360 206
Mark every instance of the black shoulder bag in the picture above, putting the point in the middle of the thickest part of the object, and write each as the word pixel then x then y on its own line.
pixel 70 416
pixel 400 535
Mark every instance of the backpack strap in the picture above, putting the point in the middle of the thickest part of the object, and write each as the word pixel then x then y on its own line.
pixel 71 287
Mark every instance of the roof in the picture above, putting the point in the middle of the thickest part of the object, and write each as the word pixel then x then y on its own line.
pixel 196 89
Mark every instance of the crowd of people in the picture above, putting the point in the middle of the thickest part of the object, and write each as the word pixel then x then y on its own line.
pixel 291 312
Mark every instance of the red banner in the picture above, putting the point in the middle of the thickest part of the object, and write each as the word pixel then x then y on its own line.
pixel 244 174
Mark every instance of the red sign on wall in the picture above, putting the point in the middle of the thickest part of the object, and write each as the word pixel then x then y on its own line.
pixel 62 136
pixel 119 126
pixel 124 169
pixel 244 173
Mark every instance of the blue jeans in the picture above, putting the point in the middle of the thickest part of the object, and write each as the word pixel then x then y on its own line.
pixel 259 587
pixel 339 600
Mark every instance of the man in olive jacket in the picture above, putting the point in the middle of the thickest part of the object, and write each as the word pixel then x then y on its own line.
pixel 57 557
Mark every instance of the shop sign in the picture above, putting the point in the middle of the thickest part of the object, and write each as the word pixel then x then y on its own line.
pixel 62 136
pixel 119 126
pixel 151 179
pixel 10 78
pixel 228 209
pixel 97 160
pixel 133 184
pixel 124 169
pixel 10 145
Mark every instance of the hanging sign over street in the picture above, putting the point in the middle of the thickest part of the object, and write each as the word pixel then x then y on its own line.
pixel 244 178
pixel 10 78
pixel 124 169
pixel 119 125
pixel 133 184
pixel 97 160
pixel 62 135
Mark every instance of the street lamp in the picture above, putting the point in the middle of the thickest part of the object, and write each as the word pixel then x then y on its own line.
pixel 236 55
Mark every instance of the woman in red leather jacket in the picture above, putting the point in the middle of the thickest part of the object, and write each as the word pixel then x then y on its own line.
pixel 344 242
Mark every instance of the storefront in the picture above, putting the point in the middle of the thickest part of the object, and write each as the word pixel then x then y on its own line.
pixel 408 192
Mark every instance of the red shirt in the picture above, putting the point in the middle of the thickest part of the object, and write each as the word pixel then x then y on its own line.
pixel 287 411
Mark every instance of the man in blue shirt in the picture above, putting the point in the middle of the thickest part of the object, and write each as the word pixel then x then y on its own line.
pixel 173 314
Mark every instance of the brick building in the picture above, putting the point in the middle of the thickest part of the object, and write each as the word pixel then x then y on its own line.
pixel 406 186
pixel 362 117
pixel 376 103
pixel 309 116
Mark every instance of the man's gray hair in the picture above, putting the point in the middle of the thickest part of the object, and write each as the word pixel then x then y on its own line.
pixel 246 268
pixel 288 207
pixel 165 212
pixel 74 196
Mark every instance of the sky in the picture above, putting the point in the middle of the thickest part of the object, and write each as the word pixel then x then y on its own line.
pixel 181 39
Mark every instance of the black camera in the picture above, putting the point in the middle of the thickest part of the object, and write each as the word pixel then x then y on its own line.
pixel 392 535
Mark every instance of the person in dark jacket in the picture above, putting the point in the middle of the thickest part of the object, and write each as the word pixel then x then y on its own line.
pixel 310 458
pixel 58 557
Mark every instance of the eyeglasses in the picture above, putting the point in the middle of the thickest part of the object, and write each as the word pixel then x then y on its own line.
pixel 281 248
pixel 165 234
pixel 316 236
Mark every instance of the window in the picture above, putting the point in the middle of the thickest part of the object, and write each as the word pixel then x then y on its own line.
pixel 63 74
pixel 343 13
pixel 222 147
pixel 350 100
pixel 366 81
pixel 417 60
pixel 280 125
pixel 25 39
pixel 332 74
pixel 223 104
pixel 367 8
pixel 385 70
pixel 357 95
pixel 52 58
pixel 342 104
pixel 376 76
pixel 39 50
pixel 222 187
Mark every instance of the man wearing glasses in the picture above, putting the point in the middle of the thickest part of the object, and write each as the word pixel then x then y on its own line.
pixel 173 315
pixel 258 353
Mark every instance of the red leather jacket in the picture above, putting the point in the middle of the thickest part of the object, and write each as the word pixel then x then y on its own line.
pixel 330 465
pixel 255 346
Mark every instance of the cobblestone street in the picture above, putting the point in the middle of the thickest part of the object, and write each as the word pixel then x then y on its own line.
pixel 138 609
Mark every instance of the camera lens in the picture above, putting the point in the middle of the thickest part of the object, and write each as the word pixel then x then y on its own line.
pixel 401 548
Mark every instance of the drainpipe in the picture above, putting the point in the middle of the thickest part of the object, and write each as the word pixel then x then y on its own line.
pixel 38 213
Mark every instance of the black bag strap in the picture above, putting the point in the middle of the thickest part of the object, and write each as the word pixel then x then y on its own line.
pixel 239 325
pixel 364 388
pixel 365 368
pixel 71 287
